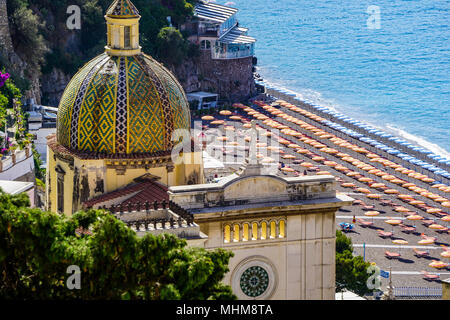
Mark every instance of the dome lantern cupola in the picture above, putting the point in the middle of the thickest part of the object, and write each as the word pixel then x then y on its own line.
pixel 122 21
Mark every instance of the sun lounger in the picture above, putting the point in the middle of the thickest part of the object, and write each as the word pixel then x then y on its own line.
pixel 364 224
pixel 427 222
pixel 420 253
pixel 445 230
pixel 384 234
pixel 392 255
pixel 408 229
pixel 430 276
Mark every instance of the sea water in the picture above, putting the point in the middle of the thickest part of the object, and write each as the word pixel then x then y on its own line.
pixel 390 70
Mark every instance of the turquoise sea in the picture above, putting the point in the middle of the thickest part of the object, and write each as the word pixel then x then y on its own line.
pixel 395 77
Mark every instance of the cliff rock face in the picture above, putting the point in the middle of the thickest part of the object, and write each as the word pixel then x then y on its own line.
pixel 14 61
pixel 53 85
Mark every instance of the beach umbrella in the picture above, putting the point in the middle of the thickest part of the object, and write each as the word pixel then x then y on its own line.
pixel 323 173
pixel 348 185
pixel 393 222
pixel 400 242
pixel 362 190
pixel 352 174
pixel 446 218
pixel 225 112
pixel 365 179
pixel 436 226
pixel 416 202
pixel 288 156
pixel 391 191
pixel 373 196
pixel 426 241
pixel 261 145
pixel 287 169
pixel 433 210
pixel 217 122
pixel 235 118
pixel 207 118
pixel 445 254
pixel 414 217
pixel 401 209
pixel 377 185
pixel 438 264
pixel 446 204
pixel 306 164
pixel 371 214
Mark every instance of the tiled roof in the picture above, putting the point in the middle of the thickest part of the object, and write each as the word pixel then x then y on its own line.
pixel 213 12
pixel 122 8
pixel 237 35
pixel 140 191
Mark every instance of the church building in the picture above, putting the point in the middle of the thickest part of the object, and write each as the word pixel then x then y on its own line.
pixel 116 135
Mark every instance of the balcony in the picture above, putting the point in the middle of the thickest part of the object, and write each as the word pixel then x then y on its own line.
pixel 219 54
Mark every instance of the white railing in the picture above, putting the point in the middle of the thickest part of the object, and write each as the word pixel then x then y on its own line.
pixel 15 157
pixel 231 55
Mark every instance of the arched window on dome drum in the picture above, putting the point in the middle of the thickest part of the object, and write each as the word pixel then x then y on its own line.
pixel 227 234
pixel 273 230
pixel 245 231
pixel 282 232
pixel 236 233
pixel 60 191
pixel 60 173
pixel 263 231
pixel 254 231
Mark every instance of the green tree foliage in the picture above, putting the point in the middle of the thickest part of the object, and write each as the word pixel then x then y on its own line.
pixel 26 33
pixel 351 271
pixel 8 92
pixel 36 248
pixel 172 48
pixel 69 49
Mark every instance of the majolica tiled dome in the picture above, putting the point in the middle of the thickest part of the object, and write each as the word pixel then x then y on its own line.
pixel 119 103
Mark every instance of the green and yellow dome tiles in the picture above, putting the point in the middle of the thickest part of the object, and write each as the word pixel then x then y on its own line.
pixel 120 104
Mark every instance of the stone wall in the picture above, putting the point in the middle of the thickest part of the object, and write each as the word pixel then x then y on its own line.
pixel 5 38
pixel 232 79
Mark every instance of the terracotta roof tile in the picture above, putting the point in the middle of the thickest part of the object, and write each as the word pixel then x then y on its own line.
pixel 146 191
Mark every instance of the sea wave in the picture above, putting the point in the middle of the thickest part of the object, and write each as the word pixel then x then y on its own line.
pixel 317 99
pixel 419 141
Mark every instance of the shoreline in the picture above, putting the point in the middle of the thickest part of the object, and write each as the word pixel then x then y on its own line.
pixel 415 157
